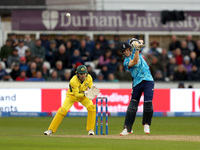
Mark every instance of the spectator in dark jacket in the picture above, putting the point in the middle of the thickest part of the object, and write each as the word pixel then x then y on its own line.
pixel 180 74
pixel 15 71
pixel 6 50
pixel 194 74
pixel 62 56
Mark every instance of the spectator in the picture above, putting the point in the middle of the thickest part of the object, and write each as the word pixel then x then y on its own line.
pixel 22 76
pixel 31 72
pixel 178 56
pixel 38 77
pixel 175 43
pixel 44 41
pixel 7 77
pixel 171 68
pixel 191 44
pixel 2 72
pixel 159 76
pixel 59 40
pixel 180 73
pixel 84 51
pixel 193 58
pixel 154 50
pixel 164 60
pixel 15 71
pixel 54 76
pixel 91 72
pixel 61 55
pixel 21 48
pixel 38 63
pixel 104 43
pixel 112 65
pixel 155 66
pixel 117 41
pixel 6 50
pixel 75 42
pixel 181 85
pixel 104 71
pixel 76 57
pixel 190 86
pixel 96 53
pixel 29 57
pixel 69 48
pixel 23 65
pixel 121 74
pixel 14 40
pixel 50 51
pixel 187 64
pixel 194 74
pixel 28 41
pixel 59 69
pixel 14 57
pixel 45 72
pixel 90 43
pixel 100 78
pixel 111 78
pixel 67 76
pixel 38 50
pixel 197 50
pixel 184 49
pixel 105 59
pixel 112 47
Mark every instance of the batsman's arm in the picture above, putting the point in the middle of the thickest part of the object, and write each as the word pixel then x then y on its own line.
pixel 135 60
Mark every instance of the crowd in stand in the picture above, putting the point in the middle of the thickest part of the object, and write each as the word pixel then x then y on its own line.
pixel 56 60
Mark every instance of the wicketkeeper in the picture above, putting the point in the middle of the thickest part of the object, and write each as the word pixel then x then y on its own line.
pixel 81 90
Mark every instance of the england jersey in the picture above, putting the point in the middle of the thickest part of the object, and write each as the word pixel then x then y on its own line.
pixel 140 71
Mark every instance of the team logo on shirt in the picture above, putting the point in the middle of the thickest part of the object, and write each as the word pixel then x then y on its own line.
pixel 86 84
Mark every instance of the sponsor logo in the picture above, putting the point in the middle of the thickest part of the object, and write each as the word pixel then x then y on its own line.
pixel 50 19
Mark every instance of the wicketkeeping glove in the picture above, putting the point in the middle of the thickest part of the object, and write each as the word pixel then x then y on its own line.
pixel 92 93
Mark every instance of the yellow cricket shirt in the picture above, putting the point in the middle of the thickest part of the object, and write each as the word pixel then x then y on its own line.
pixel 77 88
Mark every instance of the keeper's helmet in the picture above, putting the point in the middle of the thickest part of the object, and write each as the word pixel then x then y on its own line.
pixel 81 69
pixel 125 46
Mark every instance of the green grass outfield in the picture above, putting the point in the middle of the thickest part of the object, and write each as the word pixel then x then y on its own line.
pixel 167 133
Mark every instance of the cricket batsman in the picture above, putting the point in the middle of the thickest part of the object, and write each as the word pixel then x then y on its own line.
pixel 81 90
pixel 142 82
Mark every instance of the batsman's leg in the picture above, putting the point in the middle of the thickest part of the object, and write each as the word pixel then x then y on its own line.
pixel 61 113
pixel 130 114
pixel 148 106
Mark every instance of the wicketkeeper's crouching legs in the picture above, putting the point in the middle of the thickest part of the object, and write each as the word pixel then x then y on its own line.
pixel 91 117
pixel 61 113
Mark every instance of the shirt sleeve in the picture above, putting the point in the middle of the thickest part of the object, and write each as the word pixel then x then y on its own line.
pixel 91 81
pixel 75 90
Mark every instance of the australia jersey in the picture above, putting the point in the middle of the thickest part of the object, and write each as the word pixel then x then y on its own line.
pixel 140 71
pixel 77 88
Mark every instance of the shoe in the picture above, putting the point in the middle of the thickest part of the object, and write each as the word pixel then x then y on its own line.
pixel 146 129
pixel 125 132
pixel 48 132
pixel 90 132
pixel 131 132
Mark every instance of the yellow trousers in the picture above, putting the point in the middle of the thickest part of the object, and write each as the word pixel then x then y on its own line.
pixel 62 112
